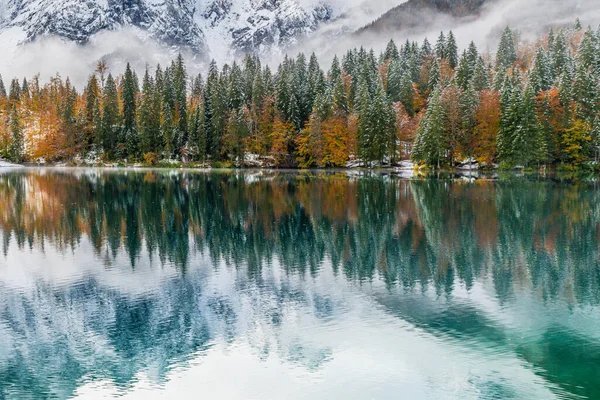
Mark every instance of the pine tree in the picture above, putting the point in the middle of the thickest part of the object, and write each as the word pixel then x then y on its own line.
pixel 510 101
pixel 451 50
pixel 2 89
pixel 435 75
pixel 428 146
pixel 180 106
pixel 587 54
pixel 381 128
pixel 235 94
pixel 472 56
pixel 316 79
pixel 340 97
pixel 365 140
pixel 463 73
pixel 335 71
pixel 481 78
pixel 469 102
pixel 197 86
pixel 540 77
pixel 14 97
pixel 236 133
pixel 92 96
pixel 301 89
pixel 560 55
pixel 111 119
pixel 426 50
pixel 69 120
pixel 394 79
pixel 17 148
pixel 507 54
pixel 97 124
pixel 440 47
pixel 528 144
pixel 148 117
pixel 169 128
pixel 585 91
pixel 391 51
pixel 130 129
pixel 25 89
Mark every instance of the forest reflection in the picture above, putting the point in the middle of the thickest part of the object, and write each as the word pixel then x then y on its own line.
pixel 242 253
pixel 416 233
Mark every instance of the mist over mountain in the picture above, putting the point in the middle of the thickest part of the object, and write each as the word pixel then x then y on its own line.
pixel 69 36
pixel 420 13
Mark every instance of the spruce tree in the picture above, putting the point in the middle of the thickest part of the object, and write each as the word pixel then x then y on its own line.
pixel 180 106
pixel 510 101
pixel 463 73
pixel 365 140
pixel 528 144
pixel 69 119
pixel 426 50
pixel 585 91
pixel 428 146
pixel 92 96
pixel 540 77
pixel 587 54
pixel 2 89
pixel 15 93
pixel 480 79
pixel 130 129
pixel 435 76
pixel 111 119
pixel 394 80
pixel 17 147
pixel 25 89
pixel 560 55
pixel 507 54
pixel 391 51
pixel 407 94
pixel 472 56
pixel 440 47
pixel 451 50
pixel 148 117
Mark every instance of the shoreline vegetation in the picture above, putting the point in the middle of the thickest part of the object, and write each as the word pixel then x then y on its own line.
pixel 534 105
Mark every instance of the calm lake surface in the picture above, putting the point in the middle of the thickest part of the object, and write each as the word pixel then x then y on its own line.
pixel 262 285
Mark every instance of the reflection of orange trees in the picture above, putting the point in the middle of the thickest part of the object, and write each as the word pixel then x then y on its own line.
pixel 36 209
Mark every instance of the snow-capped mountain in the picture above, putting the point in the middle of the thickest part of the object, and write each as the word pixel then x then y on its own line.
pixel 258 25
pixel 169 21
pixel 204 27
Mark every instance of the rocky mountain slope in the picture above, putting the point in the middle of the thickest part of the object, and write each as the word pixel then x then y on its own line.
pixel 241 25
pixel 421 14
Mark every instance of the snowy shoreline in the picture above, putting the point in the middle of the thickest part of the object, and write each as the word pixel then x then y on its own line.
pixel 5 164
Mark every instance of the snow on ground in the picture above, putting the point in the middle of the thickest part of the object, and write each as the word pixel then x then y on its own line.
pixel 5 164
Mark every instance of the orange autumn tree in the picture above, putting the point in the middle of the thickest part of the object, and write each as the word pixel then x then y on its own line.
pixel 488 124
pixel 259 141
pixel 280 138
pixel 406 129
pixel 335 142
pixel 308 143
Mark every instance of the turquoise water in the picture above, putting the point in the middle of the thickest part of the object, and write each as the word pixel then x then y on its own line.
pixel 262 285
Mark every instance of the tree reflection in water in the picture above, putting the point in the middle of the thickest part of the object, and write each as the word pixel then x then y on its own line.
pixel 271 232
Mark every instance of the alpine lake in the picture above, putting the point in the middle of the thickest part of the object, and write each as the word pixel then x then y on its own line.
pixel 181 284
